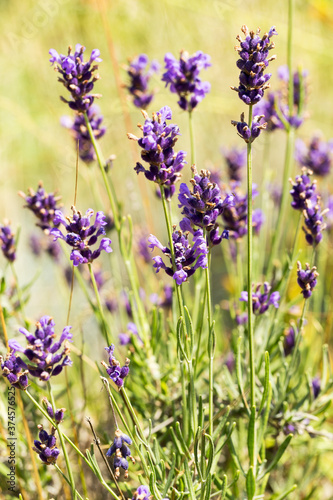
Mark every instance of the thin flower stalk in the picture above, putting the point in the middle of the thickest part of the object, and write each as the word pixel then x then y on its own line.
pixel 192 137
pixel 211 346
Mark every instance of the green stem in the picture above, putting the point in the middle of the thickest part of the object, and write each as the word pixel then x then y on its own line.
pixel 100 307
pixel 252 450
pixel 69 469
pixel 211 342
pixel 66 479
pixel 192 141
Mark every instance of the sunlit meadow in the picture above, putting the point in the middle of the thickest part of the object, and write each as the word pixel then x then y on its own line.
pixel 166 250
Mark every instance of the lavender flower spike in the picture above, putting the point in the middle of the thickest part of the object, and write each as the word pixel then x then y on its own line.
pixel 235 159
pixel 302 190
pixel 157 145
pixel 14 369
pixel 7 241
pixel 314 223
pixel 81 235
pixel 44 360
pixel 43 205
pixel 253 52
pixel 80 132
pixel 317 155
pixel 306 279
pixel 139 76
pixel 244 132
pixel 77 76
pixel 114 370
pixel 121 451
pixel 187 258
pixel 262 301
pixel 46 446
pixel 183 77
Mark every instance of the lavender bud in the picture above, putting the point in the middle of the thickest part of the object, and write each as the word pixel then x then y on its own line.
pixel 306 279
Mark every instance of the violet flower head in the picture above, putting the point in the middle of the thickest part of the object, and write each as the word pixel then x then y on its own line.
pixel 235 159
pixel 57 415
pixel 116 372
pixel 7 241
pixel 244 131
pixel 306 279
pixel 235 216
pixel 81 235
pixel 140 73
pixel 183 77
pixel 43 205
pixel 46 446
pixel 262 300
pixel 157 145
pixel 317 155
pixel 267 109
pixel 14 369
pixel 289 341
pixel 143 493
pixel 314 222
pixel 202 205
pixel 80 132
pixel 46 357
pixel 303 189
pixel 254 52
pixel 188 258
pixel 120 450
pixel 77 76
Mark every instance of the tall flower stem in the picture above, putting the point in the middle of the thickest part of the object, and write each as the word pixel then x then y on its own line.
pixel 192 141
pixel 100 307
pixel 68 465
pixel 252 448
pixel 211 346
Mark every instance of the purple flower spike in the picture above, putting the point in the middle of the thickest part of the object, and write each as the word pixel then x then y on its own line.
pixel 262 301
pixel 183 77
pixel 58 415
pixel 254 52
pixel 202 205
pixel 114 370
pixel 187 258
pixel 143 493
pixel 235 159
pixel 140 73
pixel 7 241
pixel 235 217
pixel 80 132
pixel 314 223
pixel 306 279
pixel 249 135
pixel 157 145
pixel 77 76
pixel 43 205
pixel 121 452
pixel 81 235
pixel 44 360
pixel 13 368
pixel 317 155
pixel 46 446
pixel 316 387
pixel 303 190
pixel 289 341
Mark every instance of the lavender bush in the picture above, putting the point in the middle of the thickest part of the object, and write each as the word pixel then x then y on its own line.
pixel 205 303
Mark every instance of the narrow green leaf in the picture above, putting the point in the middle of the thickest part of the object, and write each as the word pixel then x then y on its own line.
pixel 201 413
pixel 156 450
pixel 250 484
pixel 170 476
pixel 264 419
pixel 211 341
pixel 189 326
pixel 210 454
pixel 182 441
pixel 266 383
pixel 224 487
pixel 235 457
pixel 286 493
pixel 189 480
pixel 278 455
pixel 208 487
pixel 176 442
pixel 220 428
pixel 179 338
pixel 251 436
pixel 196 453
pixel 239 376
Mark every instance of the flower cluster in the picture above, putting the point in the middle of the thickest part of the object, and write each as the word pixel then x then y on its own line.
pixel 77 76
pixel 143 493
pixel 46 446
pixel 262 301
pixel 267 109
pixel 183 77
pixel 42 351
pixel 235 159
pixel 289 341
pixel 203 205
pixel 303 189
pixel 43 205
pixel 81 235
pixel 57 415
pixel 247 133
pixel 187 258
pixel 116 372
pixel 253 52
pixel 80 132
pixel 157 145
pixel 317 155
pixel 235 217
pixel 306 279
pixel 139 75
pixel 314 223
pixel 121 451
pixel 15 370
pixel 7 241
